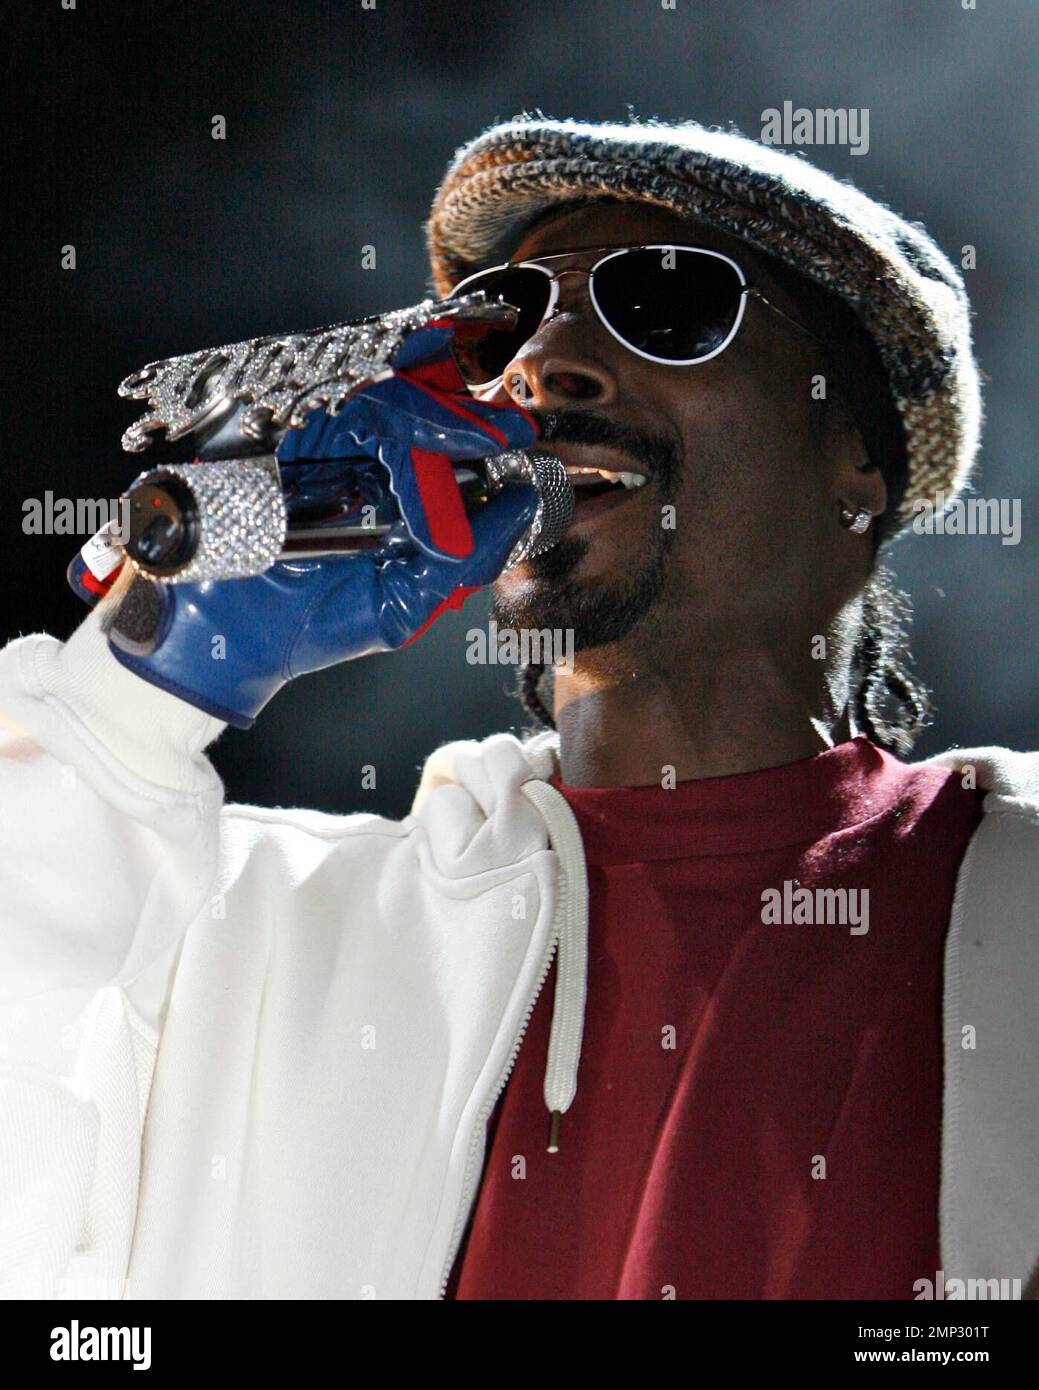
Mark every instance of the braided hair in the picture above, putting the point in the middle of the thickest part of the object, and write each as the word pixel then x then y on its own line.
pixel 528 683
pixel 891 705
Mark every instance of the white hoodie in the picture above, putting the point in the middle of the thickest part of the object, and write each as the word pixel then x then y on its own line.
pixel 250 1053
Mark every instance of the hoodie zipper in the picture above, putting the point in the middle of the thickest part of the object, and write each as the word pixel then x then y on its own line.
pixel 568 936
pixel 479 1129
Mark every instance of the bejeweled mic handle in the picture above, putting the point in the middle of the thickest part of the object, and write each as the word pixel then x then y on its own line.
pixel 230 519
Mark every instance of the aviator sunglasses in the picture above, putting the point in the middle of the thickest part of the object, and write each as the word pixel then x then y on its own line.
pixel 676 305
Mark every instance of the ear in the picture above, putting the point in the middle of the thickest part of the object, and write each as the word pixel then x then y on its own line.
pixel 857 483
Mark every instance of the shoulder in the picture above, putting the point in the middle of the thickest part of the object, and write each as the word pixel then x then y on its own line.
pixel 1010 779
pixel 999 879
pixel 469 813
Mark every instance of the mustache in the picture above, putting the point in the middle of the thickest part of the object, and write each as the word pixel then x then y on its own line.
pixel 658 453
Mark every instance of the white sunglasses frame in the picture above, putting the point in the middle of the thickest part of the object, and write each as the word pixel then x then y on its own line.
pixel 746 289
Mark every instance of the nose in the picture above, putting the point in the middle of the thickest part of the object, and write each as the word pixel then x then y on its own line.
pixel 565 360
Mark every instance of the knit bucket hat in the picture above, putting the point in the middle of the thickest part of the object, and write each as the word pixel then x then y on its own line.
pixel 906 293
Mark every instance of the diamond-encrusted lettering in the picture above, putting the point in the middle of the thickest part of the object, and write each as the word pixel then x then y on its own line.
pixel 282 377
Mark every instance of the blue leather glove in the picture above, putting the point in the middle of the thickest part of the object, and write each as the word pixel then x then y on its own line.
pixel 229 646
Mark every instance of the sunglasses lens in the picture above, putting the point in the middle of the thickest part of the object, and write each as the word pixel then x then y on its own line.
pixel 671 303
pixel 486 356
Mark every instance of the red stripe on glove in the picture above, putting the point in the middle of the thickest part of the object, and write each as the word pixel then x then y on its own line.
pixel 453 404
pixel 454 600
pixel 442 503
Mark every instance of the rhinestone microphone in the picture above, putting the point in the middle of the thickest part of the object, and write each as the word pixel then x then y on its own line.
pixel 236 509
pixel 231 518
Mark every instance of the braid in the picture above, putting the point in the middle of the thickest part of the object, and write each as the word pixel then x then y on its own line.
pixel 527 683
pixel 891 706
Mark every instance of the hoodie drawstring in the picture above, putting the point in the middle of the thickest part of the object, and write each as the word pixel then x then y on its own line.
pixel 571 932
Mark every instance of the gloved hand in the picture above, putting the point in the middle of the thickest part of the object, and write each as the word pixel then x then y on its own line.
pixel 229 646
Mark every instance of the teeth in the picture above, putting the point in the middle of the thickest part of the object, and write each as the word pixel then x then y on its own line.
pixel 628 480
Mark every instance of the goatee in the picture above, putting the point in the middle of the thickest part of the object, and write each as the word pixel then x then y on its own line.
pixel 601 612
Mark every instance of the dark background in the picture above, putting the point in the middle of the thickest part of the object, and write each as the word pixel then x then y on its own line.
pixel 340 124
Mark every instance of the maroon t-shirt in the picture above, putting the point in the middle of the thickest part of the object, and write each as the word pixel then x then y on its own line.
pixel 758 1108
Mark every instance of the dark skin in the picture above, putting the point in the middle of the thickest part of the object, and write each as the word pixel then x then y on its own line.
pixel 721 671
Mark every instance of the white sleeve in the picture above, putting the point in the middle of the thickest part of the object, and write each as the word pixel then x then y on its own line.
pixel 109 826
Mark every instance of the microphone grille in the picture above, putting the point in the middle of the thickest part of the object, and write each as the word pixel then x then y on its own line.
pixel 556 505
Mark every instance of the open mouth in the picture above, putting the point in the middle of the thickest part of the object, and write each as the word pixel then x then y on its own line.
pixel 589 483
pixel 599 490
pixel 597 486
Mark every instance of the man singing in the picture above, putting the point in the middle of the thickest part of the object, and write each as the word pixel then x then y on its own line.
pixel 703 992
